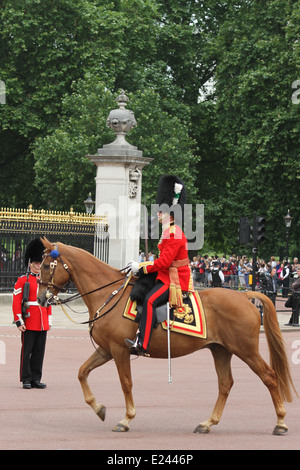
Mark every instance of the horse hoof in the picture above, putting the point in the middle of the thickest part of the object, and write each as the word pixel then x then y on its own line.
pixel 200 429
pixel 280 430
pixel 121 428
pixel 102 413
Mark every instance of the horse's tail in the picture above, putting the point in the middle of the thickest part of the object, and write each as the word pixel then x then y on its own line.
pixel 278 358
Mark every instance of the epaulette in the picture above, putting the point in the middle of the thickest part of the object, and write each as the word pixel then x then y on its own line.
pixel 146 263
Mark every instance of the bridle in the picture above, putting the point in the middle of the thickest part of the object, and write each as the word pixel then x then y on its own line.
pixel 55 255
pixel 55 300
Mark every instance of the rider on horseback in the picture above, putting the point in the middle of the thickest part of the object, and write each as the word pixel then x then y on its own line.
pixel 172 265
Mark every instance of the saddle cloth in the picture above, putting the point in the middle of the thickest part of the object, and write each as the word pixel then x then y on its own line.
pixel 188 320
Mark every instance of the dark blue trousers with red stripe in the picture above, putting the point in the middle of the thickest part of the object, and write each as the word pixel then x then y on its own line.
pixel 32 355
pixel 158 295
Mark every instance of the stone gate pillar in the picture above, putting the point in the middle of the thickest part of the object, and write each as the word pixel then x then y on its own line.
pixel 118 186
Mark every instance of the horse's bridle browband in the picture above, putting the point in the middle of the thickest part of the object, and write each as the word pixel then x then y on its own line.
pixel 53 266
pixel 56 255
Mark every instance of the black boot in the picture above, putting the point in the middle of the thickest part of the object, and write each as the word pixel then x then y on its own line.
pixel 38 384
pixel 26 385
pixel 135 347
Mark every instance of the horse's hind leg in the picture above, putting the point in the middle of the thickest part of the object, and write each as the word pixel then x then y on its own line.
pixel 268 377
pixel 98 358
pixel 222 358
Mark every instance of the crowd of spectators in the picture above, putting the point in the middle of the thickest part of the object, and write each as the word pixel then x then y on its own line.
pixel 236 271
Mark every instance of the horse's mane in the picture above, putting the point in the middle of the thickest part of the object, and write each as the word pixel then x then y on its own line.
pixel 62 246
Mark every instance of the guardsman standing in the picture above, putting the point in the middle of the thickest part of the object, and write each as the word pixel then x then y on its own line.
pixel 31 319
pixel 172 265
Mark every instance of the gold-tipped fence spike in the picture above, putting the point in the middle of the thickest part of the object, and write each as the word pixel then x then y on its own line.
pixel 71 217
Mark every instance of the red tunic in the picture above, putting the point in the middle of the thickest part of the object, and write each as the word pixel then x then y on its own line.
pixel 172 247
pixel 38 319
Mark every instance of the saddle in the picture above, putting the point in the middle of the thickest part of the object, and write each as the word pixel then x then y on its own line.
pixel 188 319
pixel 183 313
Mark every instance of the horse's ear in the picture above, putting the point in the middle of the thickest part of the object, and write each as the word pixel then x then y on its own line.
pixel 46 243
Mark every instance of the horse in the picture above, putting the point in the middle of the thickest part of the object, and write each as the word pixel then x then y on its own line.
pixel 233 327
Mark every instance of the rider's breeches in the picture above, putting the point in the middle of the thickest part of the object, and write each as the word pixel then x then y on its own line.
pixel 158 295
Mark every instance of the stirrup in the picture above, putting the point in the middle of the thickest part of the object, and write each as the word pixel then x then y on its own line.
pixel 136 347
pixel 129 343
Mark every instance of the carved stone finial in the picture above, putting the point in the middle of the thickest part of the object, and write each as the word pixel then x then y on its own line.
pixel 122 99
pixel 121 120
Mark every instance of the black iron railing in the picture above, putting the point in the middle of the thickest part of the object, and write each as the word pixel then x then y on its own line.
pixel 19 226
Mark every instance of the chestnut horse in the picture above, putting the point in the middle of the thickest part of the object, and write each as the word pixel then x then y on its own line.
pixel 233 326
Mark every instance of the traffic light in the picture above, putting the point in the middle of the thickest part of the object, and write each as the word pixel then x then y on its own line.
pixel 259 227
pixel 244 231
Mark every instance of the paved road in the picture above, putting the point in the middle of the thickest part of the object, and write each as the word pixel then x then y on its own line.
pixel 58 418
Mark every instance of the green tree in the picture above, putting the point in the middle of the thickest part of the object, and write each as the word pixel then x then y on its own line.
pixel 236 146
pixel 258 125
pixel 66 175
pixel 46 45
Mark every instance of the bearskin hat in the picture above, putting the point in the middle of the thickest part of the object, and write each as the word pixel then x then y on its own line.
pixel 34 251
pixel 171 191
pixel 171 197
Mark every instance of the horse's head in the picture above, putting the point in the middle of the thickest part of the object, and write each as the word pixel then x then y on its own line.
pixel 54 272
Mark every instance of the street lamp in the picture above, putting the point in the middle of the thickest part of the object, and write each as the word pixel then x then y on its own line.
pixel 288 222
pixel 89 204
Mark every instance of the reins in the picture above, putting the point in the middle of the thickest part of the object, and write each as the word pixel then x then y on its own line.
pixel 77 296
pixel 57 301
pixel 112 295
pixel 97 314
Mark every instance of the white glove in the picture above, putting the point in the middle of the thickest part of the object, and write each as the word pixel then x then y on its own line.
pixel 134 267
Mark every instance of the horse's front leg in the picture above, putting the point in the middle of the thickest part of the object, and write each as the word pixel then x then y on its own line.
pixel 98 358
pixel 122 359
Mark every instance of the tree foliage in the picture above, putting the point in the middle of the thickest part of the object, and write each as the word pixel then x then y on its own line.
pixel 236 144
pixel 64 172
pixel 259 127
